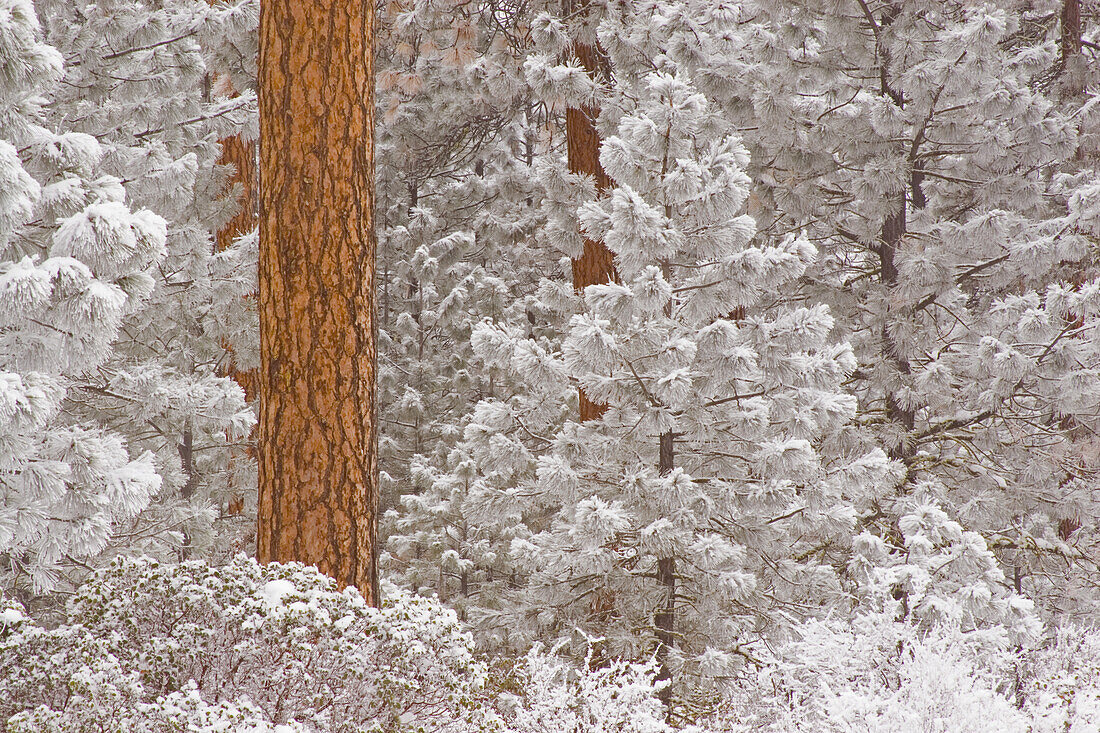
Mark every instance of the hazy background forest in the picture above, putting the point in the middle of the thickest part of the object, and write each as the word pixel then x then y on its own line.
pixel 720 366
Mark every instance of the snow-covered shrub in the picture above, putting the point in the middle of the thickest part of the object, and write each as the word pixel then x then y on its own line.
pixel 941 685
pixel 244 645
pixel 551 695
pixel 946 576
pixel 1062 683
pixel 98 703
pixel 876 674
pixel 150 647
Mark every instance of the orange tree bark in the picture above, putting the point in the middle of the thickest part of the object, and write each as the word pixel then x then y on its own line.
pixel 317 440
pixel 241 155
pixel 596 265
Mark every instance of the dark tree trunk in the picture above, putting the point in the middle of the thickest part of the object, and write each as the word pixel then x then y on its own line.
pixel 595 266
pixel 665 618
pixel 1071 29
pixel 894 228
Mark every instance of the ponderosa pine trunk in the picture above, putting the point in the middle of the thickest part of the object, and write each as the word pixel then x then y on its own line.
pixel 1071 67
pixel 665 618
pixel 241 155
pixel 317 439
pixel 595 266
pixel 894 228
pixel 1071 30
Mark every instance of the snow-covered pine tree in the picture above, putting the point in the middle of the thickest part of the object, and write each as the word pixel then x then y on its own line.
pixel 926 149
pixel 704 508
pixel 462 528
pixel 118 126
pixel 525 229
pixel 457 139
pixel 139 78
pixel 77 262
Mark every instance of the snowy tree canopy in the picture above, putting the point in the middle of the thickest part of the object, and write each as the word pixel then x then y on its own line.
pixel 816 451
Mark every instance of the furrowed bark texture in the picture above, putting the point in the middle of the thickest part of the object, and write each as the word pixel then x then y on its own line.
pixel 596 265
pixel 318 467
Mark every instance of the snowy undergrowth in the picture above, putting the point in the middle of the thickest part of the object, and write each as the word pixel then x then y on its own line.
pixel 154 647
pixel 151 647
pixel 876 674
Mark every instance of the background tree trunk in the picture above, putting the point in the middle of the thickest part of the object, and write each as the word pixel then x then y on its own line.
pixel 665 618
pixel 596 265
pixel 1072 68
pixel 1071 29
pixel 240 154
pixel 317 441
